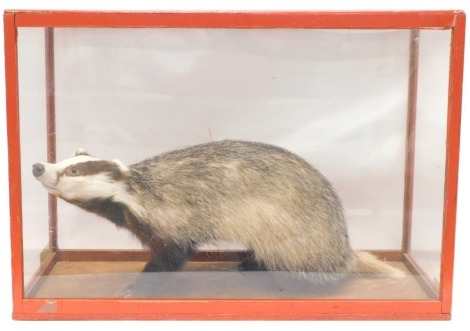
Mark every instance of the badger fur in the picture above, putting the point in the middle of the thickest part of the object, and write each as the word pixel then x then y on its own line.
pixel 276 204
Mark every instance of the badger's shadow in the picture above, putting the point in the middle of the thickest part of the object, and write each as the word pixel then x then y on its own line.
pixel 228 284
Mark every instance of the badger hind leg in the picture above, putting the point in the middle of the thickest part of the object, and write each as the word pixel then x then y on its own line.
pixel 250 263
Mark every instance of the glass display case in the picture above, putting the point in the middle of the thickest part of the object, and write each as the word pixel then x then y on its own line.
pixel 370 100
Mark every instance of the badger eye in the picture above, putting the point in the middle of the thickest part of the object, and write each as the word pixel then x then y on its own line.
pixel 74 171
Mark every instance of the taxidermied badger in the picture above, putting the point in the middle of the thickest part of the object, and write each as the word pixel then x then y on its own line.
pixel 281 208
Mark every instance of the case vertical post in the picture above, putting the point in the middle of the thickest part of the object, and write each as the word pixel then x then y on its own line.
pixel 410 140
pixel 51 130
pixel 14 159
pixel 452 159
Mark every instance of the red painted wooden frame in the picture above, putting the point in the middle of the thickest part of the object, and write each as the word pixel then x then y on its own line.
pixel 235 309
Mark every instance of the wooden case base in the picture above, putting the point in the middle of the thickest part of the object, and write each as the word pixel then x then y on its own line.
pixel 105 274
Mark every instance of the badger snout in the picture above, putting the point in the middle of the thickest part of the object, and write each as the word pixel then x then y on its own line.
pixel 38 169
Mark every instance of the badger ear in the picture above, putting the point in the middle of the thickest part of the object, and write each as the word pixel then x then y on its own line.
pixel 122 167
pixel 81 151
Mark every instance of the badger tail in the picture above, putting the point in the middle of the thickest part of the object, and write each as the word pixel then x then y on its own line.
pixel 368 264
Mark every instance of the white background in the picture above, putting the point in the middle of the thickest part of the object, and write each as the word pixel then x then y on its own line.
pixel 461 287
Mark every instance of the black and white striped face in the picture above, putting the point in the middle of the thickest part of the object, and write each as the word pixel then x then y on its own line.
pixel 82 177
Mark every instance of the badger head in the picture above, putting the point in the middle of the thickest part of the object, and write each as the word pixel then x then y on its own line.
pixel 82 177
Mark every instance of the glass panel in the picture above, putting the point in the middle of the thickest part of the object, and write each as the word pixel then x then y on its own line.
pixel 32 96
pixel 430 149
pixel 337 98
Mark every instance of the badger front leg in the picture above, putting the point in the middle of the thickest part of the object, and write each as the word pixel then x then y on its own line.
pixel 167 257
pixel 164 256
